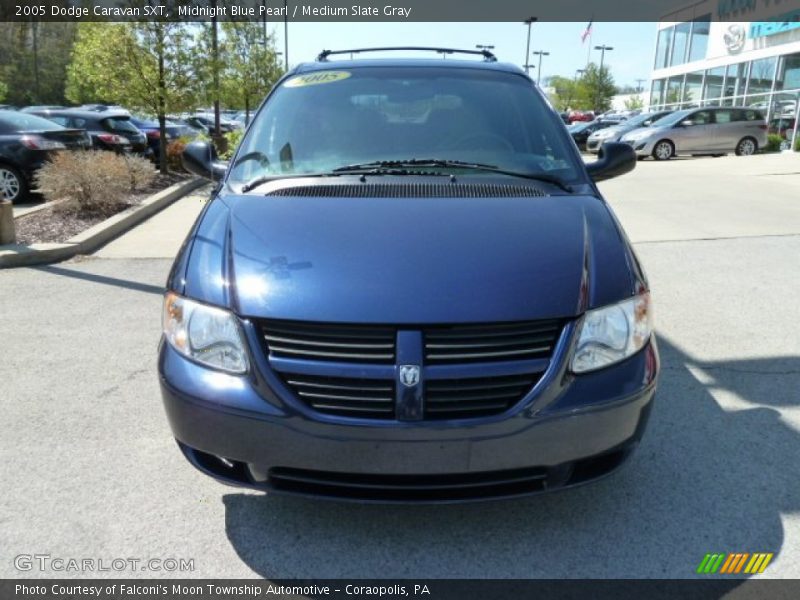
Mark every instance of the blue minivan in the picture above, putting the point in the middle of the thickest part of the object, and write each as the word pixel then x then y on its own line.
pixel 406 287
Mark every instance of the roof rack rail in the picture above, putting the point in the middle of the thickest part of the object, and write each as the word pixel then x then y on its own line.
pixel 487 56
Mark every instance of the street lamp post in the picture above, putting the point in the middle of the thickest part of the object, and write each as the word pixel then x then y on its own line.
pixel 602 49
pixel 529 21
pixel 540 53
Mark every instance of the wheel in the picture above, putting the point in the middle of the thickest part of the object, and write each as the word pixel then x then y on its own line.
pixel 663 150
pixel 12 184
pixel 746 147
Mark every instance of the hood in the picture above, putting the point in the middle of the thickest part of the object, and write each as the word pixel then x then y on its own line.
pixel 408 260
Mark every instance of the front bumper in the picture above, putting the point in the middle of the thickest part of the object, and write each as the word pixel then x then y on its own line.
pixel 569 430
pixel 641 147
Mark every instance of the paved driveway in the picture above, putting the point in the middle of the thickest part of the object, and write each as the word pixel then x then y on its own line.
pixel 90 469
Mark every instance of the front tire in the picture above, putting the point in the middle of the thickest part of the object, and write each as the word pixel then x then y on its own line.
pixel 746 147
pixel 12 184
pixel 663 150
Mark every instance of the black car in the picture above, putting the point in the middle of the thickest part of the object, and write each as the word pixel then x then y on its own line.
pixel 206 123
pixel 580 132
pixel 26 142
pixel 151 129
pixel 109 129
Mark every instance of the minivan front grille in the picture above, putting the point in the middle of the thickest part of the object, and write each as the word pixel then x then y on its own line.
pixel 475 396
pixel 350 397
pixel 486 343
pixel 330 342
pixel 350 370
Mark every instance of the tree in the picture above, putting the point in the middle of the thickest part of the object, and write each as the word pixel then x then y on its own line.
pixel 251 65
pixel 634 103
pixel 598 84
pixel 565 92
pixel 33 60
pixel 146 68
pixel 3 91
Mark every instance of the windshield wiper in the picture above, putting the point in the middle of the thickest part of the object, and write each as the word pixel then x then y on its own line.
pixel 348 170
pixel 459 164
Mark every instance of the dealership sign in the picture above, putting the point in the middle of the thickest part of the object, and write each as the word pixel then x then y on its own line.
pixel 765 28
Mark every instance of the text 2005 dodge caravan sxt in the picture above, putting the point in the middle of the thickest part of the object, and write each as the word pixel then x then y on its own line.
pixel 407 287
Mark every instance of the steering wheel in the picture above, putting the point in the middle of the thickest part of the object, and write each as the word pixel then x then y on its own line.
pixel 480 141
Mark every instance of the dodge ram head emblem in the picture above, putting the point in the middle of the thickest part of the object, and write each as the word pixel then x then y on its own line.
pixel 734 38
pixel 409 375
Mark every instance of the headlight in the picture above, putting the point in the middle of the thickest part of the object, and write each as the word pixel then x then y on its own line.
pixel 613 333
pixel 203 333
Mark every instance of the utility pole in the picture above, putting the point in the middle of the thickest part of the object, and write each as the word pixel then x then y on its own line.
pixel 529 21
pixel 540 53
pixel 264 23
pixel 215 69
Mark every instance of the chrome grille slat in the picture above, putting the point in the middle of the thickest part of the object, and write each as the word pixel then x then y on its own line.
pixel 486 343
pixel 332 386
pixel 330 341
pixel 388 399
pixel 272 338
pixel 499 353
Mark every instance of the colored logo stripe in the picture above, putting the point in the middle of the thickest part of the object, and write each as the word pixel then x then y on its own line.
pixel 734 562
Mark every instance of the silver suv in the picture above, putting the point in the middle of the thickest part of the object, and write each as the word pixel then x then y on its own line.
pixel 711 130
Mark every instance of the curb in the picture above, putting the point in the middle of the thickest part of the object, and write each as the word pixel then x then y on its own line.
pixel 86 242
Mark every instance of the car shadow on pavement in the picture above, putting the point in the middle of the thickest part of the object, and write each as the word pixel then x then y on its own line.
pixel 103 279
pixel 704 480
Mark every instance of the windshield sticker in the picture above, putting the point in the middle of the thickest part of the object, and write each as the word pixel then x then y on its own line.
pixel 316 78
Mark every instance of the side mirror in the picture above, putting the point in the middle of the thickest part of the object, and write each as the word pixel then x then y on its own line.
pixel 200 158
pixel 613 159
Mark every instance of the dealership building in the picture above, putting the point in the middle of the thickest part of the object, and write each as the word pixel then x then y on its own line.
pixel 703 57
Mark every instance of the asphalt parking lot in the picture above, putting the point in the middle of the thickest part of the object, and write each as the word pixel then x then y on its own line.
pixel 90 468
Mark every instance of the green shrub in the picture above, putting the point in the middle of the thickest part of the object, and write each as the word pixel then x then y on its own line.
pixel 773 143
pixel 797 144
pixel 232 139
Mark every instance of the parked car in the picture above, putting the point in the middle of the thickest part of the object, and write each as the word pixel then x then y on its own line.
pixel 39 108
pixel 697 131
pixel 581 116
pixel 206 123
pixel 580 132
pixel 383 308
pixel 615 132
pixel 782 126
pixel 108 128
pixel 152 129
pixel 26 143
pixel 7 107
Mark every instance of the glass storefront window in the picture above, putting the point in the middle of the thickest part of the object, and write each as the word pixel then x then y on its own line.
pixel 663 47
pixel 734 84
pixel 680 42
pixel 693 89
pixel 715 81
pixel 673 91
pixel 699 43
pixel 761 75
pixel 656 92
pixel 789 73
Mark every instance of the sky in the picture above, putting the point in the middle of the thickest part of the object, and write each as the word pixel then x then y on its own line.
pixel 630 60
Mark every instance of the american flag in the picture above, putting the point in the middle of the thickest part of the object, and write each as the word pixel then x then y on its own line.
pixel 587 32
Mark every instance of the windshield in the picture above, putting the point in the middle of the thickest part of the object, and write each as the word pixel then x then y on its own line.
pixel 671 119
pixel 17 121
pixel 319 121
pixel 639 120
